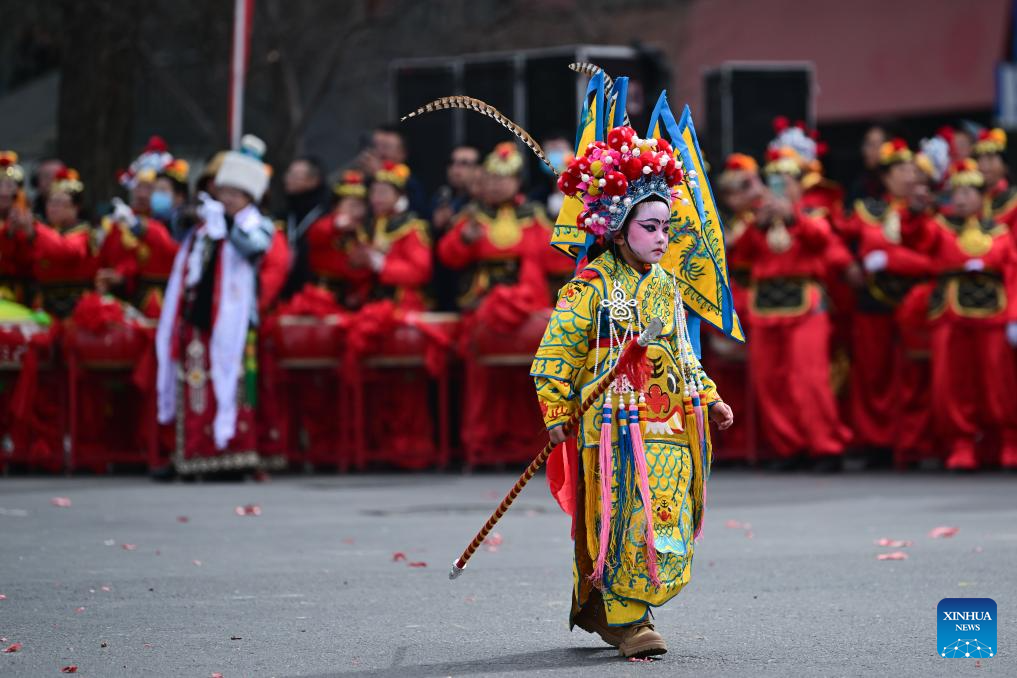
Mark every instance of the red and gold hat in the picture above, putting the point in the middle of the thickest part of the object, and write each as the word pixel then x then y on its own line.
pixel 396 174
pixel 351 185
pixel 504 161
pixel 783 160
pixel 614 176
pixel 68 181
pixel 9 167
pixel 990 141
pixel 965 173
pixel 740 162
pixel 895 151
pixel 177 170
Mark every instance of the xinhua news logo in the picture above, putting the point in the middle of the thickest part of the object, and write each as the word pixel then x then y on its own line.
pixel 966 628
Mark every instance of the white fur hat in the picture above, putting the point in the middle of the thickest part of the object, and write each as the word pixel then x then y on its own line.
pixel 244 169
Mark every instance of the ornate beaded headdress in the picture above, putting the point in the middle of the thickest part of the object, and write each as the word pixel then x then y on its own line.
pixel 665 163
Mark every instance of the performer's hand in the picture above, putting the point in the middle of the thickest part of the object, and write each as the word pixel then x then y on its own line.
pixel 343 222
pixel 875 261
pixel 106 279
pixel 972 265
pixel 359 257
pixel 1011 333
pixel 21 220
pixel 854 276
pixel 472 232
pixel 784 209
pixel 557 435
pixel 722 415
pixel 441 217
pixel 122 213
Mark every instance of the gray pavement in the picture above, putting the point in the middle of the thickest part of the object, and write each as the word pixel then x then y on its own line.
pixel 310 588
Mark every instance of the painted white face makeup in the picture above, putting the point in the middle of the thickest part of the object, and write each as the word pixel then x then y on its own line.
pixel 649 230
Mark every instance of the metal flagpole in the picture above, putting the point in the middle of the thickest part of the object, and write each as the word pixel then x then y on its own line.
pixel 242 12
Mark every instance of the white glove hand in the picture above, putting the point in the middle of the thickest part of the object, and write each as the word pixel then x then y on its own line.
pixel 1011 333
pixel 122 213
pixel 213 215
pixel 974 265
pixel 376 259
pixel 875 261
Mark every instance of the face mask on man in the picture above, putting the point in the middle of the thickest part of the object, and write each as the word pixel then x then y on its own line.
pixel 558 160
pixel 162 204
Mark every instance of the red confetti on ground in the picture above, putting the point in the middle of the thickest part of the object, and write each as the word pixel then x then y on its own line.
pixel 894 543
pixel 61 502
pixel 978 663
pixel 107 589
pixel 749 534
pixel 248 510
pixel 736 525
pixel 69 669
pixel 895 555
pixel 80 610
pixel 129 547
pixel 197 563
pixel 3 597
pixel 494 539
pixel 347 540
pixel 943 531
pixel 13 648
pixel 397 556
pixel 418 563
pixel 183 519
pixel 216 675
pixel 641 659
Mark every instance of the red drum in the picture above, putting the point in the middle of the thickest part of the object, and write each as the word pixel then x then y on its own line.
pixel 110 377
pixel 401 376
pixel 16 435
pixel 308 341
pixel 491 346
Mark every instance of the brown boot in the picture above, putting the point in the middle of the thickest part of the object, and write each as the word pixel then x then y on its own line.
pixel 640 640
pixel 592 619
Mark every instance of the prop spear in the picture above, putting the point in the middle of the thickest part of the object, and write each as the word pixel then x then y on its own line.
pixel 628 363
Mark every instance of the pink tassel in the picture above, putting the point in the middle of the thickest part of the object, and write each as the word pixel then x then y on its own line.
pixel 606 475
pixel 639 452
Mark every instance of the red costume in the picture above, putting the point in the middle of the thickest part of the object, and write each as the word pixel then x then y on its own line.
pixel 790 334
pixel 876 348
pixel 974 375
pixel 390 377
pixel 143 254
pixel 505 294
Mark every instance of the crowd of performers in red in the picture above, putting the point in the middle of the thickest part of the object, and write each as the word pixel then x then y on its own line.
pixel 887 326
pixel 170 334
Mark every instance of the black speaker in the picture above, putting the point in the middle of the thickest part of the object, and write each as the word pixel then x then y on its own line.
pixel 534 88
pixel 432 135
pixel 742 99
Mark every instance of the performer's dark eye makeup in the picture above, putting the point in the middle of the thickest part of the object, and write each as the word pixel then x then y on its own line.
pixel 651 225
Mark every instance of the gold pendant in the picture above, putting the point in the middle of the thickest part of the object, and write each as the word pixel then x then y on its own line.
pixel 974 241
pixel 891 227
pixel 778 238
pixel 505 231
